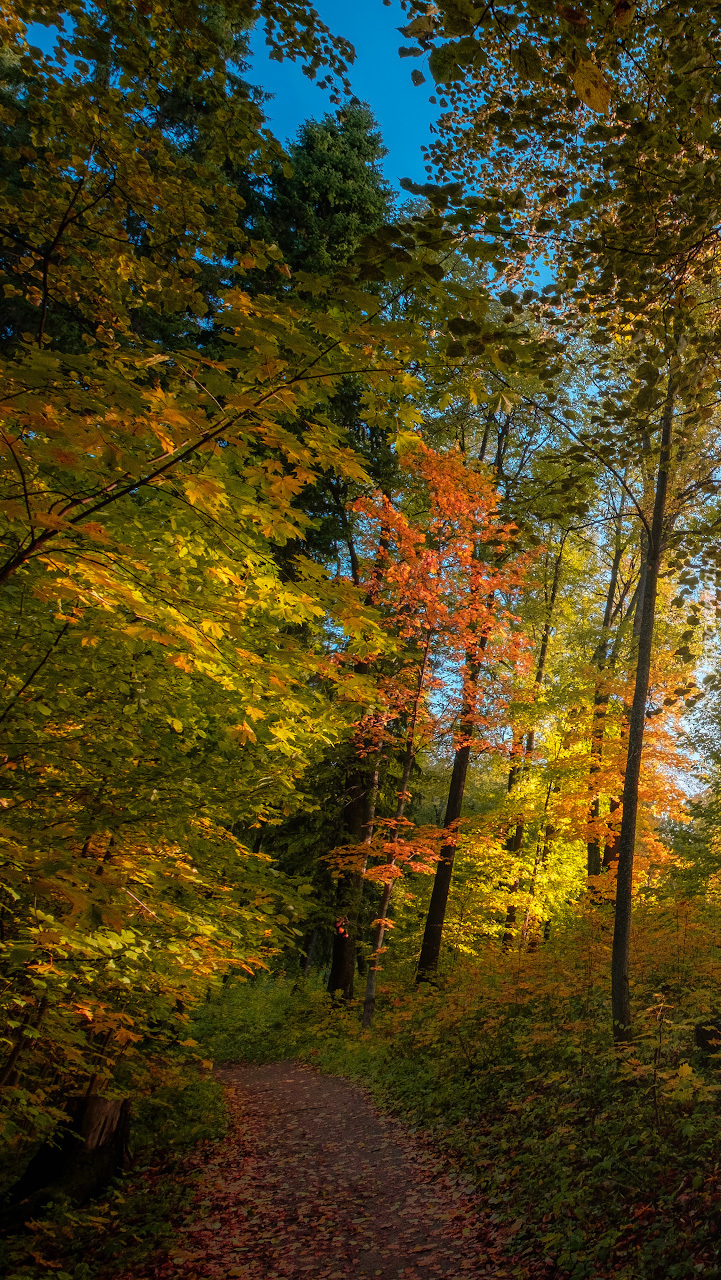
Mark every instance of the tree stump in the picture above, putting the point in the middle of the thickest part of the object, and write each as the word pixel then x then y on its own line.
pixel 81 1158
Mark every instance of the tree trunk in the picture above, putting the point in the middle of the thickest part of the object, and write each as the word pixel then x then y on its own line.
pixel 610 853
pixel 433 932
pixel 593 848
pixel 620 994
pixel 515 840
pixel 80 1160
pixel 513 845
pixel 600 704
pixel 350 892
pixel 403 795
pixel 369 1005
pixel 542 854
pixel 309 949
pixel 361 811
pixel 373 965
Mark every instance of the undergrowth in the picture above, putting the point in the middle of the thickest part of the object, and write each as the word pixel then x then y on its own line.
pixel 589 1160
pixel 603 1162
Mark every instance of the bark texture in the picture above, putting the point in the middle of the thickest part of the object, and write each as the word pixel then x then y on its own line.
pixel 620 993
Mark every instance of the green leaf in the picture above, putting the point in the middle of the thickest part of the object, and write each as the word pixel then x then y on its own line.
pixel 525 60
pixel 443 64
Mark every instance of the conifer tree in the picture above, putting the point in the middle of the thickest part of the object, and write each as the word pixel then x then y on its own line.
pixel 335 192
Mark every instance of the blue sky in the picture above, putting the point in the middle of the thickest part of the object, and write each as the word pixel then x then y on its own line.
pixel 378 76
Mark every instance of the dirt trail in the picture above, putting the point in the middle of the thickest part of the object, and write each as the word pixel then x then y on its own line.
pixel 312 1182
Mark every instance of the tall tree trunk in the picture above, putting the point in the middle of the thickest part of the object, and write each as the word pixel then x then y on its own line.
pixel 350 892
pixel 548 624
pixel 381 923
pixel 309 949
pixel 514 841
pixel 361 806
pixel 610 853
pixel 620 994
pixel 513 845
pixel 593 848
pixel 543 850
pixel 600 704
pixel 433 932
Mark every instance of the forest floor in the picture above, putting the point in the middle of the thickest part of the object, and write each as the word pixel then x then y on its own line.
pixel 312 1181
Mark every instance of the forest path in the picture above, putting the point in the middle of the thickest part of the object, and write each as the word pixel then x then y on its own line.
pixel 311 1181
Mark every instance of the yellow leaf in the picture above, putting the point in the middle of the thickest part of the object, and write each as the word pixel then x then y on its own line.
pixel 592 86
pixel 177 725
pixel 94 530
pixel 211 628
pixel 406 441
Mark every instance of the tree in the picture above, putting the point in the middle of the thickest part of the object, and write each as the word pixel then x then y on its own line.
pixel 629 244
pixel 335 194
pixel 465 581
pixel 157 693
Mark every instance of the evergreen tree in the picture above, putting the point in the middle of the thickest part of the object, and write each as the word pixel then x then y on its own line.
pixel 336 193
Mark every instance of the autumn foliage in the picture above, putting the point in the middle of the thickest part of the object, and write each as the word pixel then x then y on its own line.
pixel 360 593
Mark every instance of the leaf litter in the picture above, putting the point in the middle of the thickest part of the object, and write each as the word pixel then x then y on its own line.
pixel 312 1181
